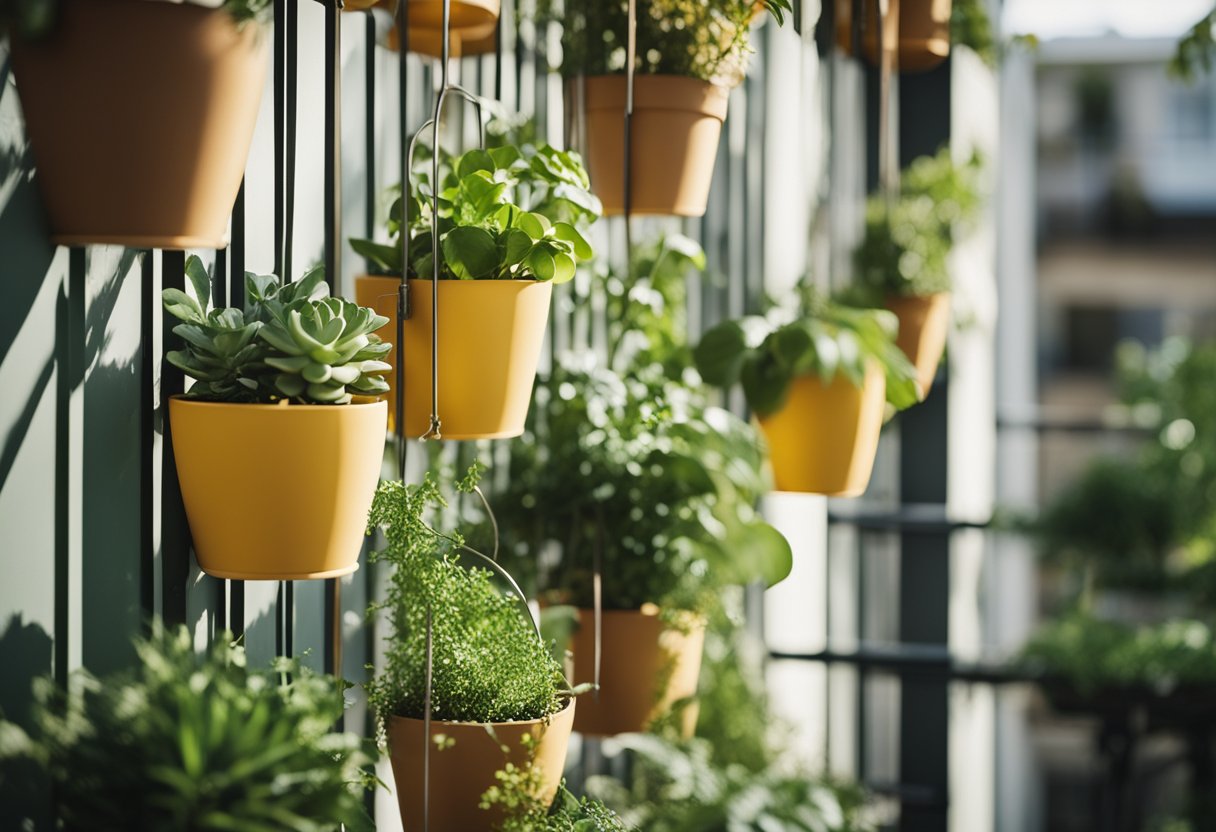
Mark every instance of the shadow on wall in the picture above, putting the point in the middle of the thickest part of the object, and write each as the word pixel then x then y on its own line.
pixel 25 655
pixel 28 256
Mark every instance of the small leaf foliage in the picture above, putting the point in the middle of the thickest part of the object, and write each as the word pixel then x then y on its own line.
pixel 488 664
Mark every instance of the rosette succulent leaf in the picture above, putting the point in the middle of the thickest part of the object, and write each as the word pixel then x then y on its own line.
pixel 327 351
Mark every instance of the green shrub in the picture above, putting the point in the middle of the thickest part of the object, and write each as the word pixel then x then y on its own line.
pixel 489 664
pixel 193 741
pixel 644 470
pixel 1093 653
pixel 675 787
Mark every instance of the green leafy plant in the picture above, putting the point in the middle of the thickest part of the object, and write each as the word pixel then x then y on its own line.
pixel 506 213
pixel 970 26
pixel 1117 525
pixel 1196 50
pixel 190 741
pixel 34 19
pixel 907 240
pixel 631 460
pixel 291 342
pixel 1093 653
pixel 515 793
pixel 644 471
pixel 705 39
pixel 675 787
pixel 644 308
pixel 827 340
pixel 1146 520
pixel 488 663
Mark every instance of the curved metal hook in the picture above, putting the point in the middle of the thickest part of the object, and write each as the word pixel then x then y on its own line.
pixel 490 513
pixel 503 573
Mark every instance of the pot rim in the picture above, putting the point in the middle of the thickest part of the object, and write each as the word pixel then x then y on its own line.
pixel 461 723
pixel 182 399
pixel 396 278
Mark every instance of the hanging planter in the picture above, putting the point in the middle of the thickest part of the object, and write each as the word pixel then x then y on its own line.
pixel 646 667
pixel 474 25
pixel 297 509
pixel 819 387
pixel 823 440
pixel 277 462
pixel 470 656
pixel 903 259
pixel 675 129
pixel 682 82
pixel 923 324
pixel 464 758
pixel 924 31
pixel 494 288
pixel 140 115
pixel 490 337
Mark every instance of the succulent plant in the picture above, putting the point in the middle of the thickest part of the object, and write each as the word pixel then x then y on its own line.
pixel 291 341
pixel 328 349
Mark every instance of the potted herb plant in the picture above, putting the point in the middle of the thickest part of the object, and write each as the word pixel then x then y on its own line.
pixel 196 741
pixel 509 229
pixel 497 696
pixel 166 95
pixel 689 56
pixel 278 444
pixel 818 385
pixel 902 261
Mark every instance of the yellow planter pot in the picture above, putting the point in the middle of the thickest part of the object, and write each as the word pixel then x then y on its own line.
pixel 824 439
pixel 140 117
pixel 645 668
pixel 460 774
pixel 472 29
pixel 277 492
pixel 676 125
pixel 490 338
pixel 923 325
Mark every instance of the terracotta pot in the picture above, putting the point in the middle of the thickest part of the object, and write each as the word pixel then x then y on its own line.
pixel 645 667
pixel 924 31
pixel 490 337
pixel 923 324
pixel 140 117
pixel 459 775
pixel 824 439
pixel 675 127
pixel 472 29
pixel 277 492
